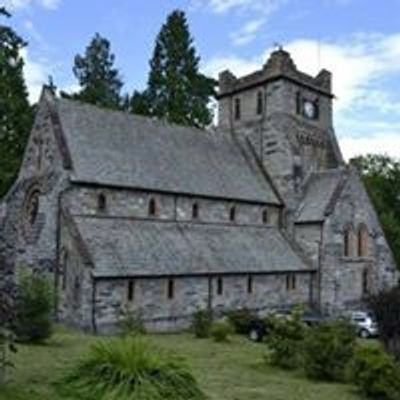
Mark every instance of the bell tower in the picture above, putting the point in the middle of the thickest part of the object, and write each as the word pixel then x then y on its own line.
pixel 286 116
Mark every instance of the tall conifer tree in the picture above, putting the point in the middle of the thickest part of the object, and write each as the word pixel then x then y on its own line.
pixel 15 112
pixel 99 80
pixel 176 89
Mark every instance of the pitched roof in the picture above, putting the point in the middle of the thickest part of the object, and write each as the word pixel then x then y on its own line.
pixel 145 248
pixel 321 190
pixel 116 148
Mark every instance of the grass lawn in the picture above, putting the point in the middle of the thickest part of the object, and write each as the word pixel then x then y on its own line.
pixel 227 371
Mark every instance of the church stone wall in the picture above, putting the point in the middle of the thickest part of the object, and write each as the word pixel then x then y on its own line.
pixel 74 283
pixel 309 237
pixel 342 276
pixel 135 204
pixel 192 294
pixel 32 241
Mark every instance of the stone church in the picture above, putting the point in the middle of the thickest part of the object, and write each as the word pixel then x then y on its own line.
pixel 133 214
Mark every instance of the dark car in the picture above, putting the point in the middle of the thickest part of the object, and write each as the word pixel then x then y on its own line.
pixel 314 318
pixel 258 328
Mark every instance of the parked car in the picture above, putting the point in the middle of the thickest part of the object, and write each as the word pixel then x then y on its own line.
pixel 365 323
pixel 257 330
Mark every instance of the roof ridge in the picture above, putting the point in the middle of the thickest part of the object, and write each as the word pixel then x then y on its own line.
pixel 155 120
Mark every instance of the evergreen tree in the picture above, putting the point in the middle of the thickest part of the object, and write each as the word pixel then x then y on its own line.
pixel 15 112
pixel 176 89
pixel 99 80
pixel 139 103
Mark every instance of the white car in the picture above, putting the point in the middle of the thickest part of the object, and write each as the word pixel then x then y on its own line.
pixel 365 323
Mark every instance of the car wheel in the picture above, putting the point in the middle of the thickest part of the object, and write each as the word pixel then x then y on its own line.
pixel 364 334
pixel 255 335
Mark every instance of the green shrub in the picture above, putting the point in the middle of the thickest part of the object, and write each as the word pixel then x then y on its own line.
pixel 375 373
pixel 328 348
pixel 34 307
pixel 6 347
pixel 131 323
pixel 130 368
pixel 220 331
pixel 201 324
pixel 285 340
pixel 240 320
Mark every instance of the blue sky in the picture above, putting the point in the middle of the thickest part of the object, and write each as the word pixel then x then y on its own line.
pixel 358 40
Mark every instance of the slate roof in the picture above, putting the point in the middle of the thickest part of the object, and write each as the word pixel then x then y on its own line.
pixel 120 248
pixel 116 148
pixel 321 190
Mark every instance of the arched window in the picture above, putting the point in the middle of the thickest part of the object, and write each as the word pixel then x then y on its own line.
pixel 238 110
pixel 232 214
pixel 298 103
pixel 260 103
pixel 171 289
pixel 101 202
pixel 290 282
pixel 265 216
pixel 220 286
pixel 76 292
pixel 64 268
pixel 152 207
pixel 348 241
pixel 365 282
pixel 362 241
pixel 195 211
pixel 131 290
pixel 32 207
pixel 250 284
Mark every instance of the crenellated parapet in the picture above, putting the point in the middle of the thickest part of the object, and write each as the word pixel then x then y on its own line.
pixel 279 65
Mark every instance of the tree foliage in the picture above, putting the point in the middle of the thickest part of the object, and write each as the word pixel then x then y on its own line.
pixel 381 176
pixel 99 80
pixel 386 307
pixel 15 112
pixel 176 89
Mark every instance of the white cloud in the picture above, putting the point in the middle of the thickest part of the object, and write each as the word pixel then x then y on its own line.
pixel 50 4
pixel 36 74
pixel 248 32
pixel 221 6
pixel 22 4
pixel 239 66
pixel 383 144
pixel 265 7
pixel 33 32
pixel 258 10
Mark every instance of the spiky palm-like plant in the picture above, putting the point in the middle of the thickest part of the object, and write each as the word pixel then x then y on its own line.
pixel 130 368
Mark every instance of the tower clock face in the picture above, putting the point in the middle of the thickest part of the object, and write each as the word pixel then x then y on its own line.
pixel 310 109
